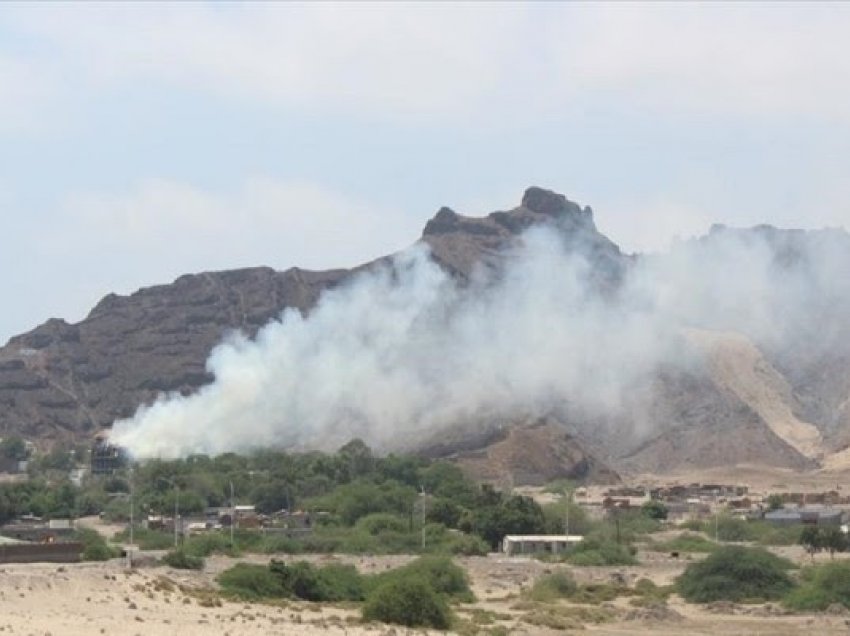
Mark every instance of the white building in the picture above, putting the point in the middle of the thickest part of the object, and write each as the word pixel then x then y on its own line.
pixel 539 543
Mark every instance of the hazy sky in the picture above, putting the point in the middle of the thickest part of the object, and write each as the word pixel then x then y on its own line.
pixel 141 142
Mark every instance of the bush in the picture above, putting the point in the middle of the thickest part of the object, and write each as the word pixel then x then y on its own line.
pixel 251 582
pixel 95 547
pixel 203 545
pixel 654 509
pixel 408 601
pixel 821 587
pixel 464 544
pixel 148 539
pixel 330 583
pixel 300 580
pixel 277 544
pixel 595 551
pixel 180 560
pixel 735 573
pixel 732 529
pixel 380 522
pixel 551 587
pixel 438 573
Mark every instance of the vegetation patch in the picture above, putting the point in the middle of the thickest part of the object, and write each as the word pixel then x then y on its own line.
pixel 551 587
pixel 95 547
pixel 408 601
pixel 821 586
pixel 180 560
pixel 600 551
pixel 737 574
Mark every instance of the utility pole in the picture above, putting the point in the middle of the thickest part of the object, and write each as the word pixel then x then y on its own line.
pixel 422 495
pixel 617 521
pixel 567 511
pixel 715 517
pixel 232 516
pixel 176 512
pixel 130 548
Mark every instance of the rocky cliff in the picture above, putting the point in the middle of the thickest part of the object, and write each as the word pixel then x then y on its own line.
pixel 745 401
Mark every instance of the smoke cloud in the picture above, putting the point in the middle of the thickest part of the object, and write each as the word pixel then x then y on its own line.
pixel 403 349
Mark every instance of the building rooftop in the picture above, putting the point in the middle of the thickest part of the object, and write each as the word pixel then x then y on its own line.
pixel 568 538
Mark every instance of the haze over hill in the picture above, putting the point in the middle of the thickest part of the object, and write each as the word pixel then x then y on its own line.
pixel 727 349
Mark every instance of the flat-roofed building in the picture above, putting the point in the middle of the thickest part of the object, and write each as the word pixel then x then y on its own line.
pixel 539 543
pixel 806 516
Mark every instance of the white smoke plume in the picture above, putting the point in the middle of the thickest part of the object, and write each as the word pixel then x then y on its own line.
pixel 403 349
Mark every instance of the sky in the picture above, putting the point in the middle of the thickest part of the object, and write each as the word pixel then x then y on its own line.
pixel 142 142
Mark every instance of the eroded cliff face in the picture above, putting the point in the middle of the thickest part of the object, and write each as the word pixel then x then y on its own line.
pixel 742 401
pixel 62 382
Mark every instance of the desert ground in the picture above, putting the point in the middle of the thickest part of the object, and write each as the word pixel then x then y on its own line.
pixel 109 598
pixel 149 599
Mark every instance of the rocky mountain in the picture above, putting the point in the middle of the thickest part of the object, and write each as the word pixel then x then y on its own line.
pixel 782 401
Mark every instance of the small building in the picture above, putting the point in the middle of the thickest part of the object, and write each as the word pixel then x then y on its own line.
pixel 539 543
pixel 35 530
pixel 805 516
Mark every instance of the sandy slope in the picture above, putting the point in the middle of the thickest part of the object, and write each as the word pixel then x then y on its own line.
pixel 737 366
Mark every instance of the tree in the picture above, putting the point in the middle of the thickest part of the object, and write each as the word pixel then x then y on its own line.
pixel 358 457
pixel 833 540
pixel 14 447
pixel 774 502
pixel 654 509
pixel 736 573
pixel 514 515
pixel 811 540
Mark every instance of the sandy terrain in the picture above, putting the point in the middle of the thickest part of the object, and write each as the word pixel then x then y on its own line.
pixel 39 599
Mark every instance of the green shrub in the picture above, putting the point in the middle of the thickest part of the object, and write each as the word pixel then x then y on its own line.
pixel 251 582
pixel 330 583
pixel 278 544
pixel 821 587
pixel 203 545
pixel 463 544
pixel 148 539
pixel 555 516
pixel 695 525
pixel 594 551
pixel 95 547
pixel 299 580
pixel 438 573
pixel 341 583
pixel 727 528
pixel 650 592
pixel 735 573
pixel 182 561
pixel 655 509
pixel 559 584
pixel 380 522
pixel 408 601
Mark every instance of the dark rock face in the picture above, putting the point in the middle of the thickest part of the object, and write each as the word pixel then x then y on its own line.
pixel 64 381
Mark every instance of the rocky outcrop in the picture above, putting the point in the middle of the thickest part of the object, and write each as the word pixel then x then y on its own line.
pixel 743 401
pixel 535 455
pixel 63 382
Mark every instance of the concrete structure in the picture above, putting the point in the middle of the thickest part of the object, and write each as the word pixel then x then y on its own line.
pixel 539 543
pixel 38 531
pixel 805 516
pixel 67 552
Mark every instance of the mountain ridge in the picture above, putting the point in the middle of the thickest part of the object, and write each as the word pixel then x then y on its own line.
pixel 61 382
